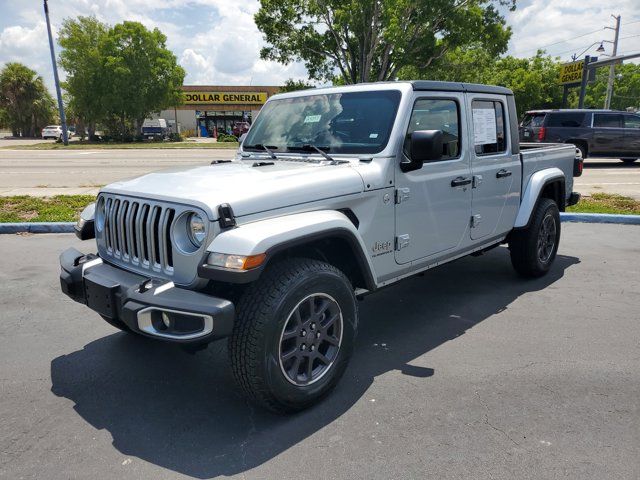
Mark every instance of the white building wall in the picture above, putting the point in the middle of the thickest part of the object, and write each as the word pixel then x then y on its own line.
pixel 186 118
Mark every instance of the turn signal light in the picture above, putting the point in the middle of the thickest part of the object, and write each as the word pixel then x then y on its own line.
pixel 236 262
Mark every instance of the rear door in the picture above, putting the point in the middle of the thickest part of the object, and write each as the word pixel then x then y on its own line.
pixel 608 134
pixel 496 171
pixel 632 135
pixel 433 203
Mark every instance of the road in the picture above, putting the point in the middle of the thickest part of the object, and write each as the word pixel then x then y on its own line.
pixel 52 172
pixel 465 372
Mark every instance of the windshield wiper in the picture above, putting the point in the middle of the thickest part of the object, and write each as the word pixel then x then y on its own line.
pixel 308 147
pixel 265 148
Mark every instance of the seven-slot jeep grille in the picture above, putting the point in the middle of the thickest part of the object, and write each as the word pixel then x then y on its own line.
pixel 139 232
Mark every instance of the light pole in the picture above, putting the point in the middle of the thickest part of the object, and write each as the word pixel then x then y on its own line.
pixel 63 120
pixel 612 68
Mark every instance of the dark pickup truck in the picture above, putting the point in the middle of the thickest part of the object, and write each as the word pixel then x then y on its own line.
pixel 597 133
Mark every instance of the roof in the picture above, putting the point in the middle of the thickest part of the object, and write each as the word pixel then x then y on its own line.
pixel 575 110
pixel 458 87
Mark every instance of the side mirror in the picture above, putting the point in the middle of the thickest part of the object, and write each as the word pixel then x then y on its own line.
pixel 424 146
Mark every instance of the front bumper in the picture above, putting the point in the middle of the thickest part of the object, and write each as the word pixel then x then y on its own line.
pixel 150 307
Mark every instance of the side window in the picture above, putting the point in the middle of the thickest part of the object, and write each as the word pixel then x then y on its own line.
pixel 489 135
pixel 565 119
pixel 607 120
pixel 437 114
pixel 632 121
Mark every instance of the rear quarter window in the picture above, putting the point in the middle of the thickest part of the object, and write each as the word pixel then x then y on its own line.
pixel 533 119
pixel 566 120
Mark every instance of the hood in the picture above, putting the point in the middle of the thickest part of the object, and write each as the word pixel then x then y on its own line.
pixel 246 188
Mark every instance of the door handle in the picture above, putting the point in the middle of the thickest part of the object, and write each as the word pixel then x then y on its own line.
pixel 503 173
pixel 460 181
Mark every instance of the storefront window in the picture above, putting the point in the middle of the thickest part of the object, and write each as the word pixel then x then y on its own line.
pixel 217 122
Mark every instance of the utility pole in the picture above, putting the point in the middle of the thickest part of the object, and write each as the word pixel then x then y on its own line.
pixel 612 68
pixel 585 79
pixel 63 120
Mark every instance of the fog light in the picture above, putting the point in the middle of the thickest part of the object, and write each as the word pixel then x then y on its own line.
pixel 166 320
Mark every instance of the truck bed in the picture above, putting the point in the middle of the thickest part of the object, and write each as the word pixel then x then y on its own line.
pixel 538 156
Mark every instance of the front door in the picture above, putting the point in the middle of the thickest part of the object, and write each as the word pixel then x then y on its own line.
pixel 496 172
pixel 433 203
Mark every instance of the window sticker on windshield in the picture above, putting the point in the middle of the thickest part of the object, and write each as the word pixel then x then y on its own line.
pixel 485 130
pixel 312 118
pixel 373 135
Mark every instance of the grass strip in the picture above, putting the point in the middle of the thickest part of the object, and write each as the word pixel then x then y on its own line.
pixel 67 208
pixel 60 208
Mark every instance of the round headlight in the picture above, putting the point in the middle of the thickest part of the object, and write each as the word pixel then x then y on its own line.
pixel 196 229
pixel 100 214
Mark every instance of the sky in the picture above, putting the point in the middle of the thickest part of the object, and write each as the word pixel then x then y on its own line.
pixel 218 43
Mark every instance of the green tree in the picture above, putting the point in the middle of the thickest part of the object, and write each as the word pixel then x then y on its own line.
pixel 26 104
pixel 82 60
pixel 626 88
pixel 291 85
pixel 369 40
pixel 534 81
pixel 142 75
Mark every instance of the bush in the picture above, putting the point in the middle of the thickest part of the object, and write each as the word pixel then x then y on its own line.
pixel 223 137
pixel 190 132
pixel 175 137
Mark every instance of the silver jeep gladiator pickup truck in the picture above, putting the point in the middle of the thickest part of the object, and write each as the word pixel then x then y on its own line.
pixel 333 194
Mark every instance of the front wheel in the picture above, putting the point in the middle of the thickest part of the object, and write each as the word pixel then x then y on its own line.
pixel 533 249
pixel 294 334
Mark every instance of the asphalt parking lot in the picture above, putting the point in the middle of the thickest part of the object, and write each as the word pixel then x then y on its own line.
pixel 465 372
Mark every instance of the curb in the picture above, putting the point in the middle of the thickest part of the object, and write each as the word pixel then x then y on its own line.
pixel 37 227
pixel 600 218
pixel 67 227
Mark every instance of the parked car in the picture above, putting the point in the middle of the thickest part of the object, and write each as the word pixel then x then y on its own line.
pixel 335 193
pixel 54 132
pixel 597 133
pixel 156 128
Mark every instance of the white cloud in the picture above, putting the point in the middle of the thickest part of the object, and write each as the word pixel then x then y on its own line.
pixel 556 24
pixel 217 41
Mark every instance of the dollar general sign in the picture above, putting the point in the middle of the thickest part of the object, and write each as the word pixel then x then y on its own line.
pixel 571 72
pixel 224 98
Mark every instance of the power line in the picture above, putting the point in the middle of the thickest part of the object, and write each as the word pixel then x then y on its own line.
pixel 559 42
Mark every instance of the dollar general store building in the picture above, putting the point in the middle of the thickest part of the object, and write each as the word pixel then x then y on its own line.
pixel 209 107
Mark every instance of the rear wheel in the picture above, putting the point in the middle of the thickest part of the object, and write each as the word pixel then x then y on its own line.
pixel 294 334
pixel 533 249
pixel 628 161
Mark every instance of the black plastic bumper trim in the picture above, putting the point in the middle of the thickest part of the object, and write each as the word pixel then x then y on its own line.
pixel 116 294
pixel 573 199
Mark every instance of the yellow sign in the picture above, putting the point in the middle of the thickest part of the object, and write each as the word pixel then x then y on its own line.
pixel 224 98
pixel 571 72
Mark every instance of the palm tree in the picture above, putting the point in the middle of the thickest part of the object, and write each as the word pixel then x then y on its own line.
pixel 24 99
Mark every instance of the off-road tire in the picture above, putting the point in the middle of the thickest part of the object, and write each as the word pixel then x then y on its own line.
pixel 262 314
pixel 524 246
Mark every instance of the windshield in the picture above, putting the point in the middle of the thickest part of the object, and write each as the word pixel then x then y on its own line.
pixel 354 122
